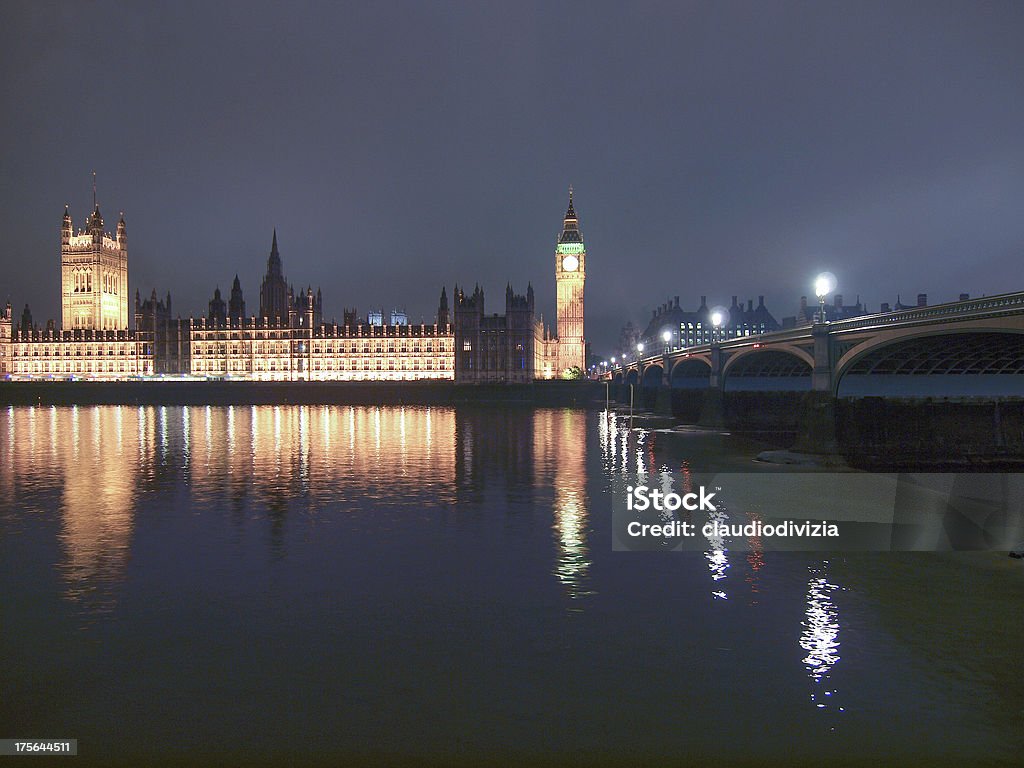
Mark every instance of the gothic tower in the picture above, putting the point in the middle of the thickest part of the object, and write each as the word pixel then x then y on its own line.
pixel 570 275
pixel 94 274
pixel 274 303
pixel 236 306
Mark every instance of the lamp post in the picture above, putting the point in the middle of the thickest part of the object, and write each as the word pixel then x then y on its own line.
pixel 823 286
pixel 639 350
pixel 717 321
pixel 667 338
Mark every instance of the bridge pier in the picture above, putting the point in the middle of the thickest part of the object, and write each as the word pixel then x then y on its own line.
pixel 817 419
pixel 712 410
pixel 663 401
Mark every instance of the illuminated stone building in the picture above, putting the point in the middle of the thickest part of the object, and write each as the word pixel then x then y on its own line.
pixel 94 275
pixel 289 341
pixel 301 351
pixel 6 341
pixel 83 352
pixel 558 353
pixel 94 340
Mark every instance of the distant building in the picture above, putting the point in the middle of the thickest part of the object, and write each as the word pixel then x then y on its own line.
pixel 836 310
pixel 689 329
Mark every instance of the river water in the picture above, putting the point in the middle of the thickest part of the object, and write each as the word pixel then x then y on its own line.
pixel 323 585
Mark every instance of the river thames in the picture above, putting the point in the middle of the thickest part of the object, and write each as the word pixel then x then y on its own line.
pixel 332 584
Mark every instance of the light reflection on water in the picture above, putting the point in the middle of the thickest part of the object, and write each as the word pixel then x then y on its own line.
pixel 820 636
pixel 313 458
pixel 450 567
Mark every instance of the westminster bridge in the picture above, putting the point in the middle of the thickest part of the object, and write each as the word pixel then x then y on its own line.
pixel 940 379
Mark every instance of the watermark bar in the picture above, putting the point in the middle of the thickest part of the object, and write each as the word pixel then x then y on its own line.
pixel 50 747
pixel 818 511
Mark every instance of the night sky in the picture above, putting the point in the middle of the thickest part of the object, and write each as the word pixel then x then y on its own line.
pixel 715 148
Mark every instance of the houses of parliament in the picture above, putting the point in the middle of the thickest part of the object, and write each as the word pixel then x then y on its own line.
pixel 288 339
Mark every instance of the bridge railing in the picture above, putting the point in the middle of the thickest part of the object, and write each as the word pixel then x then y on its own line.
pixel 1003 302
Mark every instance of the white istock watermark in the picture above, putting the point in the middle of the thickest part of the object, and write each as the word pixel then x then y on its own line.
pixel 641 498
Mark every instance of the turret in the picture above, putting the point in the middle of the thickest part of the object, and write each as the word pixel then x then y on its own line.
pixel 122 234
pixel 442 308
pixel 95 226
pixel 218 310
pixel 65 227
pixel 236 305
pixel 26 319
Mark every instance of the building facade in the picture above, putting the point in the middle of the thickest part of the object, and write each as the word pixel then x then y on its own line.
pixel 688 329
pixel 271 351
pixel 80 353
pixel 494 348
pixel 94 275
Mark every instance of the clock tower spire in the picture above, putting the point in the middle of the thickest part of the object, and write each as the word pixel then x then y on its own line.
pixel 570 276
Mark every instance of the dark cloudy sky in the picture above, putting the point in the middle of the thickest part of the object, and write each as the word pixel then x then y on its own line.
pixel 715 148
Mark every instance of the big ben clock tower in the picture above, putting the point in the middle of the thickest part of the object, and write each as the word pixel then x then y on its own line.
pixel 570 274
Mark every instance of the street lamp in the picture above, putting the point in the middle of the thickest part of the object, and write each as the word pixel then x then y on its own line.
pixel 667 338
pixel 639 349
pixel 719 317
pixel 823 286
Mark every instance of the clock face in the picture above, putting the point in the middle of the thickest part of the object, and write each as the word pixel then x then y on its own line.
pixel 570 263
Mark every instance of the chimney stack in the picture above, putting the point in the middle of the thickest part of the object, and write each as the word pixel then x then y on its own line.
pixel 839 301
pixel 922 299
pixel 964 296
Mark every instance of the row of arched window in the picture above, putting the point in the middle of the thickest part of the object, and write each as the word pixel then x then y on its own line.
pixel 83 282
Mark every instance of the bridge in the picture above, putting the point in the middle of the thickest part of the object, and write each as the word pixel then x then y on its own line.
pixel 972 348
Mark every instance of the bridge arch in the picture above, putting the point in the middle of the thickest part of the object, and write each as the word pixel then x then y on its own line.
pixel 963 362
pixel 780 368
pixel 617 377
pixel 690 373
pixel 632 377
pixel 652 376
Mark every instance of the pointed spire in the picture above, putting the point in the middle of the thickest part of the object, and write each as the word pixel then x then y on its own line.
pixel 570 224
pixel 274 261
pixel 235 286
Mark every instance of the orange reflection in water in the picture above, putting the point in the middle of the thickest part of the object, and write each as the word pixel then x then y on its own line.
pixel 560 451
